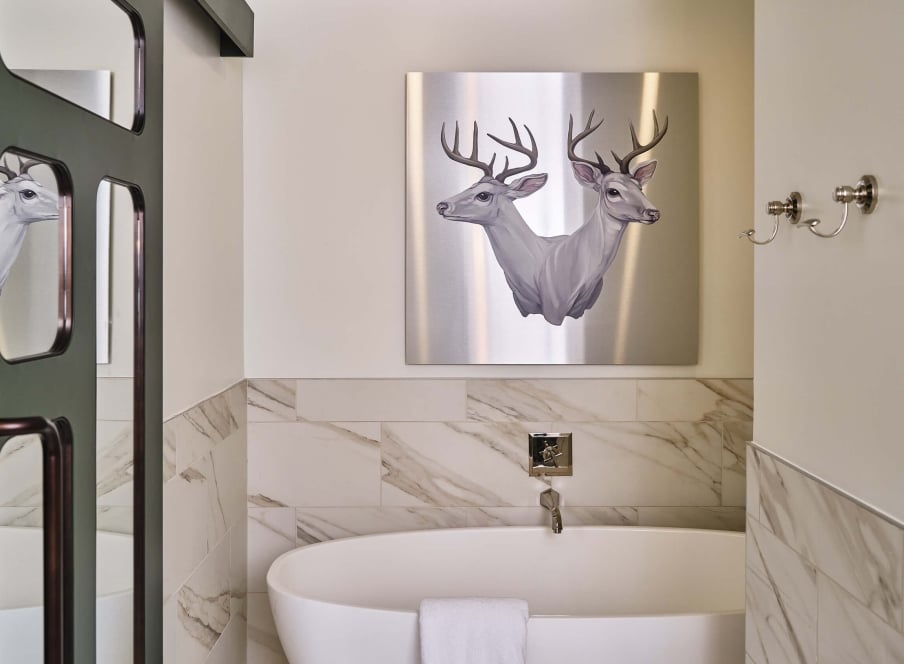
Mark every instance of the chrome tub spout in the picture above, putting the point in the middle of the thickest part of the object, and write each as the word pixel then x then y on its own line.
pixel 550 500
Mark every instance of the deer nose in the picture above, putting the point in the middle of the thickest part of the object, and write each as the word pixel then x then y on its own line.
pixel 442 207
pixel 651 214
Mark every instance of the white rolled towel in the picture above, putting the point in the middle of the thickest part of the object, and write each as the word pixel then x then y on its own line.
pixel 473 630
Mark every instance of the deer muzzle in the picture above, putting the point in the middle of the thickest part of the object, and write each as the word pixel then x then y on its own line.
pixel 442 208
pixel 650 216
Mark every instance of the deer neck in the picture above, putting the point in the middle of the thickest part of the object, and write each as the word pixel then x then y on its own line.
pixel 11 238
pixel 517 248
pixel 610 236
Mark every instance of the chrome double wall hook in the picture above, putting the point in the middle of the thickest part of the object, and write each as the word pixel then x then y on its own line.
pixel 865 196
pixel 789 208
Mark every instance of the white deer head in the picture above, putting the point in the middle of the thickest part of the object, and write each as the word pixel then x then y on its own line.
pixel 489 201
pixel 23 201
pixel 621 195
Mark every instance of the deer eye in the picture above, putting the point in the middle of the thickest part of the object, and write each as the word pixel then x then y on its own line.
pixel 28 194
pixel 483 196
pixel 613 193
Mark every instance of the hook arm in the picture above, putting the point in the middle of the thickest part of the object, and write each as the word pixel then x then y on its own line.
pixel 749 234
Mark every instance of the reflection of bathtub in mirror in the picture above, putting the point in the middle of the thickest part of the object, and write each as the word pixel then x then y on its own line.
pixel 21 612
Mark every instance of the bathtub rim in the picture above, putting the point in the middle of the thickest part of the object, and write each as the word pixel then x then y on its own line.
pixel 273 570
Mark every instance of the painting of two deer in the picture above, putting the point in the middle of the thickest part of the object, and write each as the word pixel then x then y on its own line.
pixel 552 218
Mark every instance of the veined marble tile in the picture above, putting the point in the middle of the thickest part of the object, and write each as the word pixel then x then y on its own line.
pixel 381 400
pixel 850 633
pixel 783 568
pixel 170 430
pixel 271 532
pixel 22 517
pixel 643 463
pixel 115 463
pixel 238 566
pixel 458 465
pixel 707 518
pixel 232 645
pixel 271 400
pixel 753 484
pixel 861 551
pixel 116 519
pixel 263 642
pixel 198 430
pixel 689 400
pixel 735 436
pixel 21 472
pixel 776 633
pixel 203 608
pixel 229 464
pixel 546 400
pixel 538 516
pixel 329 523
pixel 304 464
pixel 196 511
pixel 237 400
pixel 114 399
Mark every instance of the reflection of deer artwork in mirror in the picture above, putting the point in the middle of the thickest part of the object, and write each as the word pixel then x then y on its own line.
pixel 33 261
pixel 23 201
pixel 552 265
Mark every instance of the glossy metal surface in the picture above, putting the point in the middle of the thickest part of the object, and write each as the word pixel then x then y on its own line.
pixel 550 500
pixel 550 454
pixel 460 307
pixel 865 196
pixel 789 208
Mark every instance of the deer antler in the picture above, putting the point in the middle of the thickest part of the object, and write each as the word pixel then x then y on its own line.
pixel 25 165
pixel 531 153
pixel 7 171
pixel 574 140
pixel 625 162
pixel 455 155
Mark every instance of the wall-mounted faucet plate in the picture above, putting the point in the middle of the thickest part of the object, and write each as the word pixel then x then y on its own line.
pixel 550 454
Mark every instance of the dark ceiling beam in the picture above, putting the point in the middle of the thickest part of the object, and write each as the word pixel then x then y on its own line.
pixel 236 22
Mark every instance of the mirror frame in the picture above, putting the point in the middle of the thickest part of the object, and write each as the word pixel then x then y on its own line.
pixel 64 288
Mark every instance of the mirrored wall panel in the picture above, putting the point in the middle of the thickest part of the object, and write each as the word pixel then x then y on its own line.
pixel 83 51
pixel 34 257
pixel 21 551
pixel 116 360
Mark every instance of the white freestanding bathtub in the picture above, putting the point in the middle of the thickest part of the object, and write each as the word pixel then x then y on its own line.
pixel 21 597
pixel 596 594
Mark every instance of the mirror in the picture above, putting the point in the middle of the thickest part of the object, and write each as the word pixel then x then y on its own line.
pixel 118 239
pixel 21 551
pixel 70 47
pixel 34 257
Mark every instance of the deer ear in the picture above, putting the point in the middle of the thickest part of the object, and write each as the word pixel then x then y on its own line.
pixel 527 185
pixel 644 172
pixel 586 174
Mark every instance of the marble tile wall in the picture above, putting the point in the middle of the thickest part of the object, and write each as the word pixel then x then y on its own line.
pixel 825 575
pixel 205 531
pixel 336 458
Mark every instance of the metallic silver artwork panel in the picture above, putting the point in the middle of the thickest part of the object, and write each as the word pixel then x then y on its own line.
pixel 578 244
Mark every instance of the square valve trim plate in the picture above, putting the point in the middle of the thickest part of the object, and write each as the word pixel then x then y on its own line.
pixel 550 454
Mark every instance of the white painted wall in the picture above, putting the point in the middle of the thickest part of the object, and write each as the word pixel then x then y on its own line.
pixel 325 170
pixel 202 211
pixel 829 364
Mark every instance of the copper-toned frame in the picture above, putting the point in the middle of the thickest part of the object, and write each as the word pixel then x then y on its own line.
pixel 56 448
